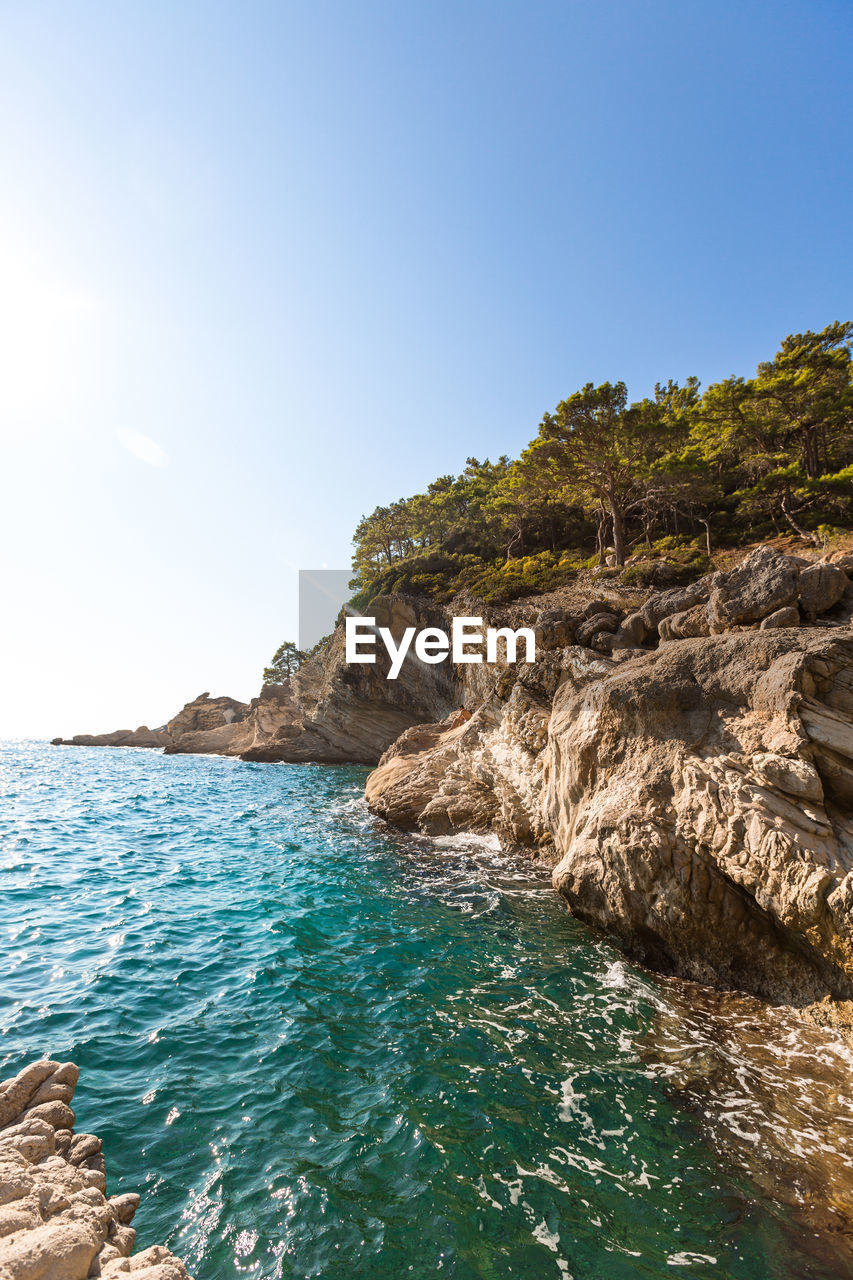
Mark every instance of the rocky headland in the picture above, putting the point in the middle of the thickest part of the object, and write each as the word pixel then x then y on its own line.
pixel 56 1220
pixel 682 758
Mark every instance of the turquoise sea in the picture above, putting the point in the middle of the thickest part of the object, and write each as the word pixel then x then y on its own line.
pixel 322 1048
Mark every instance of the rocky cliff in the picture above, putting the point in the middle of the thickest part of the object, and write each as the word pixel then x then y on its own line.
pixel 208 722
pixel 56 1220
pixel 328 713
pixel 694 795
pixel 683 759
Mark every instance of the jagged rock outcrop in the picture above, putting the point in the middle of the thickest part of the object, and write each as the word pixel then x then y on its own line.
pixel 762 583
pixel 330 713
pixel 141 737
pixel 205 724
pixel 205 713
pixel 701 804
pixel 56 1220
pixel 767 589
pixel 327 713
pixel 482 773
pixel 696 801
pixel 333 713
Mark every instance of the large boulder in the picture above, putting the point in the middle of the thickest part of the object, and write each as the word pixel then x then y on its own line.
pixel 601 606
pixel 685 625
pixel 632 631
pixel 844 560
pixel 821 587
pixel 665 603
pixel 554 629
pixel 787 617
pixel 595 623
pixel 763 582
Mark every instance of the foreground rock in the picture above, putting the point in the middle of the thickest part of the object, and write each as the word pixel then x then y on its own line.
pixel 56 1220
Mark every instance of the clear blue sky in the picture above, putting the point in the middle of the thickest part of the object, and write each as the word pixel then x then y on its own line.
pixel 265 266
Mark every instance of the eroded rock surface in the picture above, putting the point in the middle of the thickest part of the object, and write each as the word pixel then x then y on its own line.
pixel 334 713
pixel 56 1220
pixel 209 724
pixel 141 737
pixel 696 801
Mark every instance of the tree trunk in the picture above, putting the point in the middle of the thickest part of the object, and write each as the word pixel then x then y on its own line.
pixel 707 535
pixel 599 534
pixel 798 528
pixel 618 531
pixel 811 453
pixel 513 540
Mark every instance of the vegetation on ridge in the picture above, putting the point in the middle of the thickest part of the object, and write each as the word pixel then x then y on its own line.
pixel 680 472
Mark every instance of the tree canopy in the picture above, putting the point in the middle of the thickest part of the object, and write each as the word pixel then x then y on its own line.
pixel 746 458
pixel 287 659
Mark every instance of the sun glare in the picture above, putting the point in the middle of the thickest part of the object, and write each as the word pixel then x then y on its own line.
pixel 48 339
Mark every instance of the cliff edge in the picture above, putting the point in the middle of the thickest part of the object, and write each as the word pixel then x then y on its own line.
pixel 695 798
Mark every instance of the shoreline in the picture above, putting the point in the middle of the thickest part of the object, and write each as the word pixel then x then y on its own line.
pixel 679 1036
pixel 682 760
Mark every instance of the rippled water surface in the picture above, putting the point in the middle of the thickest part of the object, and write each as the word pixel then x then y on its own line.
pixel 323 1049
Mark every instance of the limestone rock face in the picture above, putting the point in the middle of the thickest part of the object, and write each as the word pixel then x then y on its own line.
pixel 700 804
pixel 696 801
pixel 332 712
pixel 56 1220
pixel 483 773
pixel 205 724
pixel 205 712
